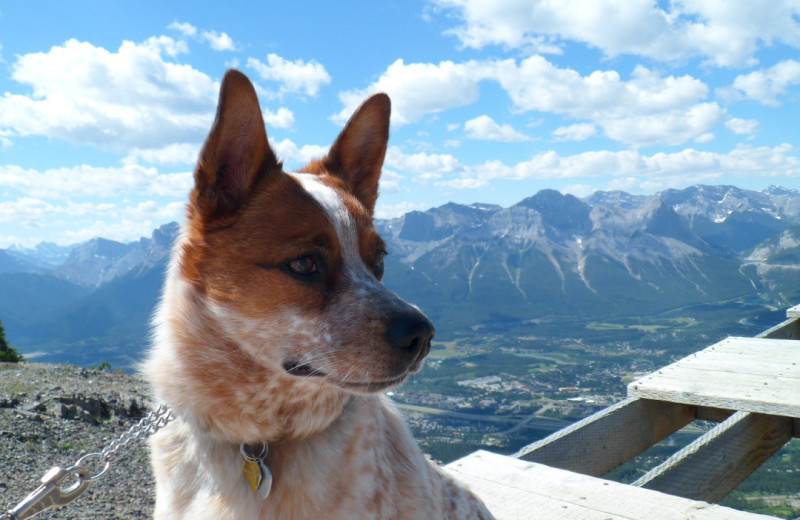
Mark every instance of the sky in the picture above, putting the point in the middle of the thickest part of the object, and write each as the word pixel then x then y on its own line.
pixel 105 105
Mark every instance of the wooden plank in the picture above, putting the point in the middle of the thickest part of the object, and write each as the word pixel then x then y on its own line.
pixel 601 442
pixel 750 374
pixel 789 329
pixel 778 396
pixel 514 489
pixel 717 462
pixel 704 413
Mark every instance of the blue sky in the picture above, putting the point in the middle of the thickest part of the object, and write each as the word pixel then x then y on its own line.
pixel 104 105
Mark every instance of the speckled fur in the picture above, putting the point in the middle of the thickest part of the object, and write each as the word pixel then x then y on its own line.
pixel 232 319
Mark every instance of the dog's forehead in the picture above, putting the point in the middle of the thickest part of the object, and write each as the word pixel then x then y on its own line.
pixel 340 210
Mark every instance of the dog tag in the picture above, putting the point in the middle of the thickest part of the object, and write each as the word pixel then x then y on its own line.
pixel 265 486
pixel 256 471
pixel 252 471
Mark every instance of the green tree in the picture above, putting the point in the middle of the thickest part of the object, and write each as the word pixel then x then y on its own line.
pixel 7 353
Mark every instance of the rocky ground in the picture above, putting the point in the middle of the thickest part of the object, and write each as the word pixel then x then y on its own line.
pixel 52 415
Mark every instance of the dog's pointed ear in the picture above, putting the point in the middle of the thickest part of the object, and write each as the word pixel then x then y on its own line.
pixel 358 153
pixel 236 153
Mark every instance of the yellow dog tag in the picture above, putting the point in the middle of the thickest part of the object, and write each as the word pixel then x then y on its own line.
pixel 253 473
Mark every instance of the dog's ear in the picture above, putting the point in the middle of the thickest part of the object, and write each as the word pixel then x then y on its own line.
pixel 357 155
pixel 236 153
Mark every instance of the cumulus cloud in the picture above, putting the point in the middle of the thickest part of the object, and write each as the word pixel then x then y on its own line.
pixel 742 126
pixel 722 33
pixel 673 127
pixel 419 89
pixel 768 85
pixel 295 156
pixel 219 41
pixel 744 161
pixel 92 181
pixel 129 98
pixel 184 28
pixel 423 166
pixel 484 128
pixel 576 132
pixel 176 153
pixel 283 118
pixel 293 76
pixel 216 40
pixel 647 109
pixel 396 210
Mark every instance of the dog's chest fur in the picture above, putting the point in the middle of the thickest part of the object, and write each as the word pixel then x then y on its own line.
pixel 358 468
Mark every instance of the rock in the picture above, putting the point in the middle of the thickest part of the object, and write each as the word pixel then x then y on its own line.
pixel 50 415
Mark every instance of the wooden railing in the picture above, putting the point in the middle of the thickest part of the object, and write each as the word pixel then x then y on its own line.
pixel 749 386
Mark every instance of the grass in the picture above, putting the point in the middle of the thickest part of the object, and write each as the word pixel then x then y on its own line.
pixel 452 349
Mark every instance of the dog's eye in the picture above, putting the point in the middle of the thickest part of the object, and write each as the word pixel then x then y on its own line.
pixel 378 267
pixel 303 265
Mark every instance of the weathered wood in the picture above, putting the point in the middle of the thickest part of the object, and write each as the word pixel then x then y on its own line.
pixel 514 489
pixel 714 464
pixel 749 374
pixel 704 413
pixel 789 329
pixel 601 442
pixel 793 312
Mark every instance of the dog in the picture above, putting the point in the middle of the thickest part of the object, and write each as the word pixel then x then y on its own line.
pixel 274 338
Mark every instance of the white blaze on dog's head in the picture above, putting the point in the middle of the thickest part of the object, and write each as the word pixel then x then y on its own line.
pixel 273 310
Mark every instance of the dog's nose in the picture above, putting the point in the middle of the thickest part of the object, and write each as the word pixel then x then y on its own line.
pixel 411 332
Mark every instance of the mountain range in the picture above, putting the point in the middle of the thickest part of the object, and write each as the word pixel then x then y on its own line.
pixel 480 267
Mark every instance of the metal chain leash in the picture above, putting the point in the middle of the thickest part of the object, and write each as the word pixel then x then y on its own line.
pixel 56 491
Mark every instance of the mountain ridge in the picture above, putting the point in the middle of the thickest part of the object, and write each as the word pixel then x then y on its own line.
pixel 550 256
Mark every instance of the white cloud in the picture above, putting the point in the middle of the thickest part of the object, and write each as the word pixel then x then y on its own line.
pixel 283 118
pixel 743 161
pixel 128 98
pixel 578 190
pixel 673 127
pixel 219 41
pixel 92 181
pixel 184 28
pixel 121 230
pixel 723 33
pixel 390 181
pixel 484 128
pixel 294 76
pixel 176 153
pixel 419 89
pixel 646 110
pixel 166 45
pixel 423 166
pixel 576 132
pixel 82 221
pixel 766 86
pixel 296 157
pixel 397 210
pixel 742 126
pixel 537 84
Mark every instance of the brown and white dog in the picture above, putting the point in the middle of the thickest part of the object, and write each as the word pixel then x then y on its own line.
pixel 274 328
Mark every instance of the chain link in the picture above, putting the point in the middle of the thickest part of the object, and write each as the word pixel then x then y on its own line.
pixel 54 493
pixel 137 434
